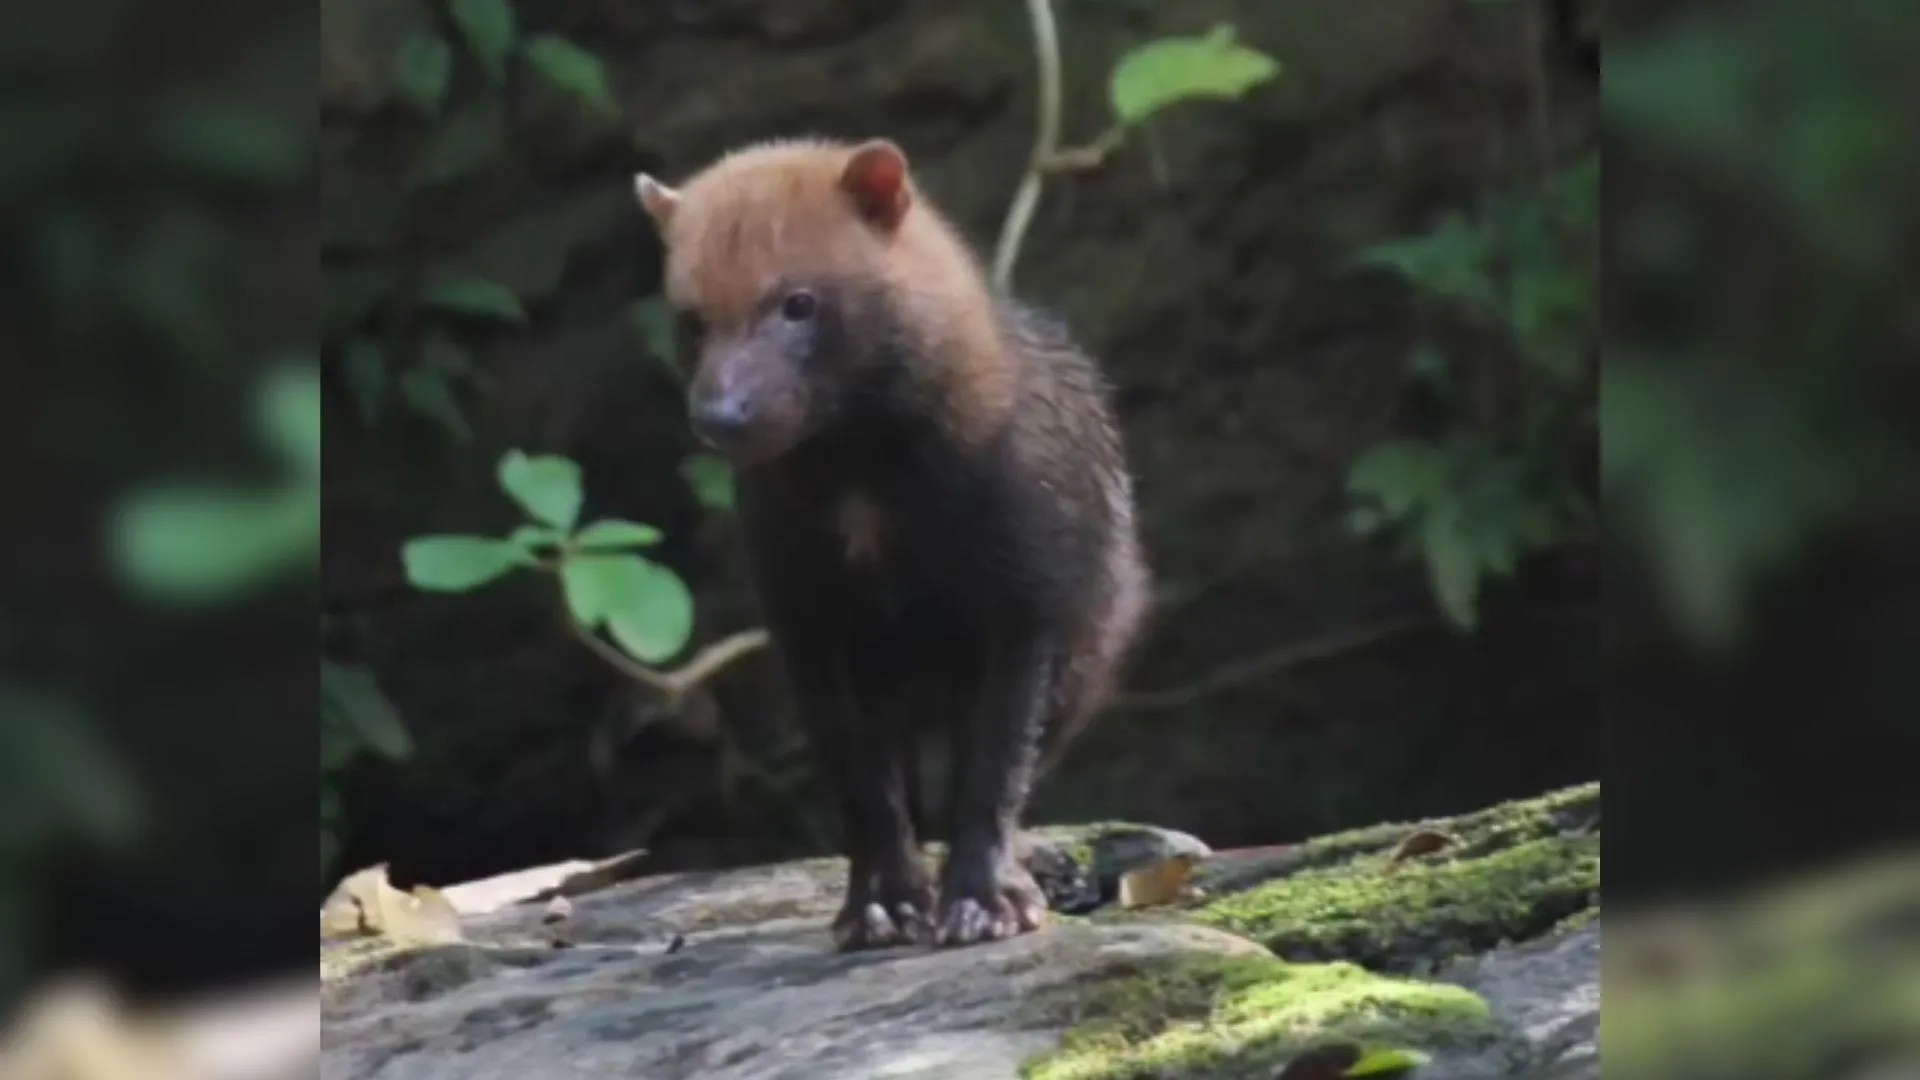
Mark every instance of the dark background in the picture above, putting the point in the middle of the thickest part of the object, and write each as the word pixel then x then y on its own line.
pixel 1209 265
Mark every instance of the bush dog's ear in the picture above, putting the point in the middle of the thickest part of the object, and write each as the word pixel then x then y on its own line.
pixel 659 199
pixel 876 179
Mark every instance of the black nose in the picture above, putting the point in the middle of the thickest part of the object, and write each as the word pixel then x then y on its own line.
pixel 722 421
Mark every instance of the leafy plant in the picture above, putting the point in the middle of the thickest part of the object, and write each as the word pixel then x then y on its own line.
pixel 203 544
pixel 489 29
pixel 1146 80
pixel 393 310
pixel 422 71
pixel 574 70
pixel 356 718
pixel 642 605
pixel 1475 501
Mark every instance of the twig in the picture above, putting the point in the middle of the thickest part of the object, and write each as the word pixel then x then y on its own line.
pixel 1046 49
pixel 1049 157
pixel 1287 656
pixel 675 685
pixel 1082 158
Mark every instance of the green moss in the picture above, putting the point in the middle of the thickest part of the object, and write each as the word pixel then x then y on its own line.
pixel 1579 920
pixel 1785 981
pixel 343 959
pixel 1396 918
pixel 1240 1016
pixel 1515 871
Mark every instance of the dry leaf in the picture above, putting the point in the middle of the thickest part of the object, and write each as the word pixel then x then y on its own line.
pixel 425 917
pixel 1163 882
pixel 356 906
pixel 1421 842
pixel 366 904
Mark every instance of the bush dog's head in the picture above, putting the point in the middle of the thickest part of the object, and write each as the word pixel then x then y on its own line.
pixel 802 267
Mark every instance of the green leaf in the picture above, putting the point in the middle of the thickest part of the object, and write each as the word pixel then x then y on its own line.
pixel 653 317
pixel 422 70
pixel 1386 1062
pixel 597 585
pixel 475 296
pixel 1401 474
pixel 1550 315
pixel 365 368
pixel 349 694
pixel 548 487
pixel 60 777
pixel 574 70
pixel 1454 566
pixel 461 144
pixel 1160 73
pixel 206 544
pixel 289 404
pixel 659 624
pixel 617 534
pixel 1450 261
pixel 427 392
pixel 711 479
pixel 230 140
pixel 530 537
pixel 487 26
pixel 458 563
pixel 646 607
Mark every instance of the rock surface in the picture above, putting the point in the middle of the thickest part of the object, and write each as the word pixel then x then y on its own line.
pixel 1550 990
pixel 731 975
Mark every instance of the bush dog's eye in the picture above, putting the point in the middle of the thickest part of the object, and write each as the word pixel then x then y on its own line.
pixel 798 306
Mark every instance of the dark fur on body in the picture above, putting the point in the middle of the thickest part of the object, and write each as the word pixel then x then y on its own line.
pixel 942 537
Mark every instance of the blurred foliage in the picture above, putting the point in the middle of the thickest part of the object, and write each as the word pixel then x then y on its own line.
pixel 402 315
pixel 407 304
pixel 1813 977
pixel 200 542
pixel 1495 488
pixel 417 284
pixel 355 719
pixel 60 786
pixel 1787 167
pixel 642 605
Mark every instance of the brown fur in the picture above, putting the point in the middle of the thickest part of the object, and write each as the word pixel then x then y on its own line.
pixel 779 209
